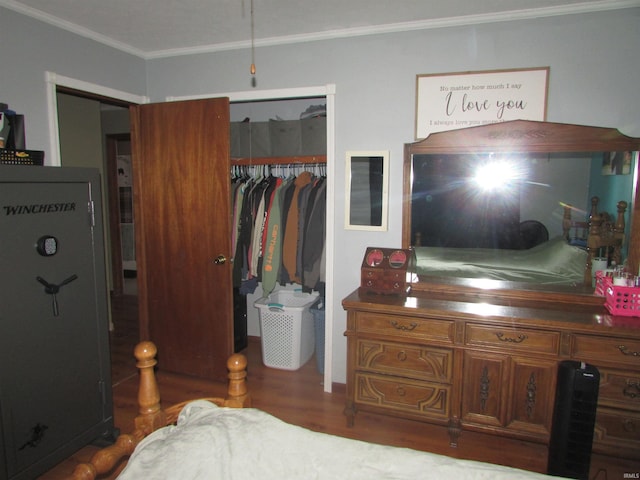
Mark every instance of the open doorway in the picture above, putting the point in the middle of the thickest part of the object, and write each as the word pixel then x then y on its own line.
pixel 94 132
pixel 119 175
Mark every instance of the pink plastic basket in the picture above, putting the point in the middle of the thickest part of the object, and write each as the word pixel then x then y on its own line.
pixel 624 301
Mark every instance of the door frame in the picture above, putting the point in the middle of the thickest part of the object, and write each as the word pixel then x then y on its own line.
pixel 54 82
pixel 328 91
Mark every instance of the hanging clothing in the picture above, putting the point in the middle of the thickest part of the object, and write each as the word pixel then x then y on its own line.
pixel 313 248
pixel 277 233
pixel 273 240
pixel 290 246
pixel 304 199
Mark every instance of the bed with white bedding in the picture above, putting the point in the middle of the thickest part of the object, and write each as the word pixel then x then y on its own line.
pixel 232 444
pixel 226 439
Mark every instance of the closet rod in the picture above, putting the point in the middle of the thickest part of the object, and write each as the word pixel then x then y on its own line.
pixel 304 159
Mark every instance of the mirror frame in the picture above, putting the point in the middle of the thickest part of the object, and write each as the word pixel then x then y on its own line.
pixel 519 136
pixel 384 154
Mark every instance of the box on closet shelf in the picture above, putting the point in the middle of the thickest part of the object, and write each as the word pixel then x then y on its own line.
pixel 313 132
pixel 286 139
pixel 250 139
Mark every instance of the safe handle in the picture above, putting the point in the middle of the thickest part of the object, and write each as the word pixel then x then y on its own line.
pixel 53 289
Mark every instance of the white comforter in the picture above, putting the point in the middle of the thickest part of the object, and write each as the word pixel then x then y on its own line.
pixel 210 442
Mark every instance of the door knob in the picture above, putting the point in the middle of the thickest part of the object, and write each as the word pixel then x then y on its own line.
pixel 220 259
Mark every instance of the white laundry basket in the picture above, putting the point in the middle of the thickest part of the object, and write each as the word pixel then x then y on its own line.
pixel 286 327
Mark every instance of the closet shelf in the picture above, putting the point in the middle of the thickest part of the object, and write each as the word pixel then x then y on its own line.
pixel 303 159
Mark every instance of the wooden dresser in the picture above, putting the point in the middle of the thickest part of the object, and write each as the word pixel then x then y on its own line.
pixel 490 368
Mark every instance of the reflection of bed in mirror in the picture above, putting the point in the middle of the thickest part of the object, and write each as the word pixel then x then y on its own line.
pixel 536 258
pixel 530 220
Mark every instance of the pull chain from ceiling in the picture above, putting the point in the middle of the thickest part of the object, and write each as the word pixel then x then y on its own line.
pixel 253 56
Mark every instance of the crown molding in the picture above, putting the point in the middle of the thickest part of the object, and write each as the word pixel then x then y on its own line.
pixel 525 14
pixel 71 27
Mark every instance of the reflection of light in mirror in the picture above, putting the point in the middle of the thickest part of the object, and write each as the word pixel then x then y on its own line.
pixel 496 175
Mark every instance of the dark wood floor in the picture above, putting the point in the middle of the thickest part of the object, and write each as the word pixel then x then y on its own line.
pixel 296 397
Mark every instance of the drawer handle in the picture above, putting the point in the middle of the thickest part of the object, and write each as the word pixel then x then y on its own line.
pixel 402 356
pixel 521 338
pixel 623 349
pixel 531 395
pixel 632 390
pixel 628 425
pixel 401 391
pixel 404 328
pixel 484 388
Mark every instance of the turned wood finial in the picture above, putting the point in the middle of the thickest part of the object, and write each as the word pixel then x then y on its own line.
pixel 620 223
pixel 151 415
pixel 145 351
pixel 149 395
pixel 237 363
pixel 566 221
pixel 594 208
pixel 237 389
pixel 418 241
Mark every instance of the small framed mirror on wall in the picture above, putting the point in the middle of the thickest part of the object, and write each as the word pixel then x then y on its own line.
pixel 367 190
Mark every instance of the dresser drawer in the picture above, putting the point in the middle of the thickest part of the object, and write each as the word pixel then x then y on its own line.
pixel 513 339
pixel 396 276
pixel 406 360
pixel 403 395
pixel 383 281
pixel 619 389
pixel 405 327
pixel 617 429
pixel 371 274
pixel 605 349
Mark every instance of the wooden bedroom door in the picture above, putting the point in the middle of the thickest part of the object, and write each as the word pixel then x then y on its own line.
pixel 183 244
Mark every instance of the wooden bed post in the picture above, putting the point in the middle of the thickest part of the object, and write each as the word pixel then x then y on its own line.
pixel 152 416
pixel 566 222
pixel 593 245
pixel 237 395
pixel 618 230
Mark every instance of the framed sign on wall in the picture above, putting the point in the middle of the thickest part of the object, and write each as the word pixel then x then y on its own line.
pixel 449 101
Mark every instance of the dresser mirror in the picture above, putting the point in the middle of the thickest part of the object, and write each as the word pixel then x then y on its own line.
pixel 520 207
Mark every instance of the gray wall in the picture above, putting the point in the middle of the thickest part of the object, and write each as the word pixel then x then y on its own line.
pixel 30 48
pixel 594 60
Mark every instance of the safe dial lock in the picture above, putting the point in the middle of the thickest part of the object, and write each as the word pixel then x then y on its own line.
pixel 47 245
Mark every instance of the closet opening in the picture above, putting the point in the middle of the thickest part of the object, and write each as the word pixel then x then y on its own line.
pixel 279 180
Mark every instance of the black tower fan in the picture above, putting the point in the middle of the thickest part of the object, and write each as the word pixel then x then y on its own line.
pixel 574 418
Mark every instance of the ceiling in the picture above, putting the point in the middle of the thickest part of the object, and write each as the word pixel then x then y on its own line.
pixel 160 28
